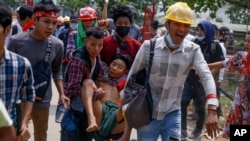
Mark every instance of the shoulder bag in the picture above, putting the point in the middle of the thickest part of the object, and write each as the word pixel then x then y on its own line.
pixel 139 110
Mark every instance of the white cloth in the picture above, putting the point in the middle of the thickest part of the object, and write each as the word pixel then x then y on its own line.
pixel 5 120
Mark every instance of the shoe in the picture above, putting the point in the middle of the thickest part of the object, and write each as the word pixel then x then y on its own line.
pixel 195 135
pixel 184 136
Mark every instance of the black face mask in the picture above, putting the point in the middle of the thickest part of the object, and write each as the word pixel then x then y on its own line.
pixel 122 31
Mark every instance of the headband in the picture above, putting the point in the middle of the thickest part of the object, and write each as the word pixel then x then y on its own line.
pixel 49 14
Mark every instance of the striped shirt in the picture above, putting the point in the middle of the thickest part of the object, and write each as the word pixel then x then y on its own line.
pixel 16 81
pixel 169 72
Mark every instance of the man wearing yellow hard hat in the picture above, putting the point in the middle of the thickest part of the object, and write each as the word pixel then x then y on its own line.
pixel 174 56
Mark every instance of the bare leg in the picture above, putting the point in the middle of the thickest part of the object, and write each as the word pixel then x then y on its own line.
pixel 87 97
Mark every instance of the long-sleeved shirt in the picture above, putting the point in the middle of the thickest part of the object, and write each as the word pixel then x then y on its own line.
pixel 169 72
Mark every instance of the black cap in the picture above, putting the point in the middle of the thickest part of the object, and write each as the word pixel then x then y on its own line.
pixel 224 31
pixel 73 17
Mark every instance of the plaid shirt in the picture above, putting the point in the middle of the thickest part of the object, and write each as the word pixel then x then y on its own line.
pixel 169 72
pixel 16 81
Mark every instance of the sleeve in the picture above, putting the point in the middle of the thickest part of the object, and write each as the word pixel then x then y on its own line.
pixel 222 71
pixel 71 46
pixel 74 77
pixel 4 116
pixel 28 90
pixel 11 45
pixel 206 77
pixel 234 63
pixel 57 62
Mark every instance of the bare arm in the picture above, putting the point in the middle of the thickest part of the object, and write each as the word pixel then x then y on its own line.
pixel 7 133
pixel 105 9
pixel 126 134
pixel 59 87
pixel 215 67
pixel 26 113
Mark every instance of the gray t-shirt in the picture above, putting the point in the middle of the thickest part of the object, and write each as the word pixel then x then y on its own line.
pixel 24 44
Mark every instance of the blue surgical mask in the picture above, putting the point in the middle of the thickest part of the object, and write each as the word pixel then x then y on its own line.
pixel 74 26
pixel 170 42
pixel 200 38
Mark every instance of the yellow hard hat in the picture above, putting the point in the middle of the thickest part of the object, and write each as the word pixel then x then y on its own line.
pixel 180 12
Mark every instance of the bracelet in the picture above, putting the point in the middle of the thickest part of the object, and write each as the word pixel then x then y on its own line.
pixel 212 109
pixel 95 95
pixel 211 96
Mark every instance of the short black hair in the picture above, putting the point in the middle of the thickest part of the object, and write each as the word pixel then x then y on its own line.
pixel 46 5
pixel 121 10
pixel 248 32
pixel 154 24
pixel 6 15
pixel 95 32
pixel 25 11
pixel 124 58
pixel 215 27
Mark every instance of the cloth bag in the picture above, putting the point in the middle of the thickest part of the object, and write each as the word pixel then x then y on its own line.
pixel 42 74
pixel 140 106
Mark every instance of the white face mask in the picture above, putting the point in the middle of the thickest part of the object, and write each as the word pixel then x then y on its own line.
pixel 200 38
pixel 170 42
pixel 74 26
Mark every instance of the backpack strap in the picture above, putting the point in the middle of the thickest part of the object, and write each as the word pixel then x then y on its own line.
pixel 150 61
pixel 48 49
pixel 213 46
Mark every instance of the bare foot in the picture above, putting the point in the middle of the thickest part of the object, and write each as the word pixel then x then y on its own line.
pixel 92 126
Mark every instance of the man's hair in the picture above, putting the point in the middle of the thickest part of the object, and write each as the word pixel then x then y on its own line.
pixel 95 32
pixel 5 15
pixel 154 24
pixel 46 5
pixel 124 58
pixel 215 27
pixel 25 11
pixel 248 32
pixel 121 10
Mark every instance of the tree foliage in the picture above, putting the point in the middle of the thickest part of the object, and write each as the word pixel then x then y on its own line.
pixel 237 12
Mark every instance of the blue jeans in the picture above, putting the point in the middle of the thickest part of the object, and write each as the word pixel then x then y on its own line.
pixel 196 93
pixel 169 128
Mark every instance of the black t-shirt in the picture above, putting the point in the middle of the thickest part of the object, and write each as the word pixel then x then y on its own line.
pixel 212 52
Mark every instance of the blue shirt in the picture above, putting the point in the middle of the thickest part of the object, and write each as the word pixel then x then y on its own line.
pixel 16 81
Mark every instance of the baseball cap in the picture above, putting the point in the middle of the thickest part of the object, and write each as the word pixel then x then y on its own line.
pixel 73 17
pixel 224 31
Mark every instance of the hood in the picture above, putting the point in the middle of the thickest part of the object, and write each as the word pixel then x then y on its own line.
pixel 208 29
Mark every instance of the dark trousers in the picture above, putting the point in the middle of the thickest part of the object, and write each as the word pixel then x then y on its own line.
pixel 197 93
pixel 73 126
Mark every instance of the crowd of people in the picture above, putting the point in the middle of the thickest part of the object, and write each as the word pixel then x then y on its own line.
pixel 91 57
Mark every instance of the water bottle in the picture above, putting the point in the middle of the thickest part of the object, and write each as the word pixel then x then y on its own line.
pixel 60 111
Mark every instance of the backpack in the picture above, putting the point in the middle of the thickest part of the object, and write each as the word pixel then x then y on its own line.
pixel 42 74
